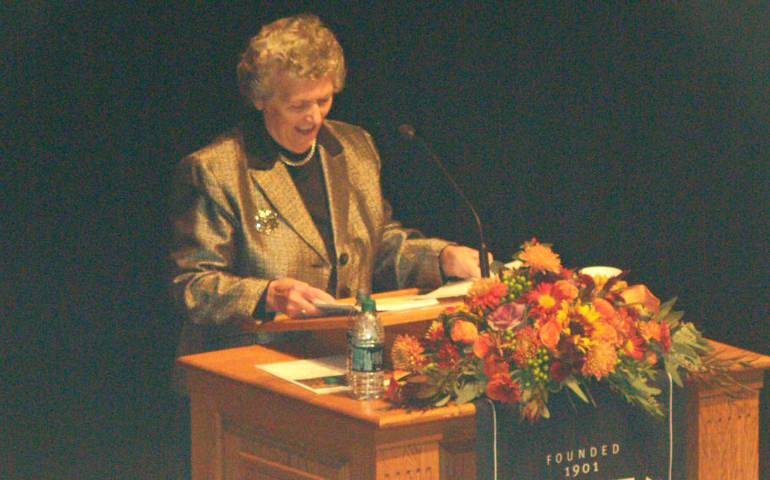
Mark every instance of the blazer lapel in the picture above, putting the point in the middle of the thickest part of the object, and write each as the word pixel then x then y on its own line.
pixel 277 186
pixel 338 191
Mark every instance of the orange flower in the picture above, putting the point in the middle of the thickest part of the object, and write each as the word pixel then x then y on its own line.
pixel 623 323
pixel 502 388
pixel 656 331
pixel 540 258
pixel 550 333
pixel 605 309
pixel 641 296
pixel 483 345
pixel 406 353
pixel 464 331
pixel 650 357
pixel 600 361
pixel 606 333
pixel 650 330
pixel 565 290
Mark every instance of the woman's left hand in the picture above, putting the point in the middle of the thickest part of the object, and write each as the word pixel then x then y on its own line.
pixel 460 261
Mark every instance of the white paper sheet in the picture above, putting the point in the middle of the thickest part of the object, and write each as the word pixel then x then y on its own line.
pixel 396 304
pixel 319 375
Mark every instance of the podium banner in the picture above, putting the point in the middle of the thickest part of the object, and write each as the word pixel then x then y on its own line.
pixel 611 441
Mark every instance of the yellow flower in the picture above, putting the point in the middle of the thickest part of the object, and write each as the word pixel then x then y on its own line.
pixel 540 258
pixel 406 353
pixel 546 301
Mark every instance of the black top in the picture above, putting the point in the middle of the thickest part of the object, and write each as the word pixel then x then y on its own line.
pixel 309 180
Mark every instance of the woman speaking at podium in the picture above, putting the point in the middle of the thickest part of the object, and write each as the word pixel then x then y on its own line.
pixel 286 208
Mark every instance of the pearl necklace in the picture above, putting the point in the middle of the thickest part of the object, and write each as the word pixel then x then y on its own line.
pixel 299 163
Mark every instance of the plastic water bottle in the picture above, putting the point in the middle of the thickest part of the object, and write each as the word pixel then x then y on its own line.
pixel 366 351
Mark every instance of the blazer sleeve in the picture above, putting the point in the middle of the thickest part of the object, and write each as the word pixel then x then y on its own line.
pixel 405 257
pixel 202 251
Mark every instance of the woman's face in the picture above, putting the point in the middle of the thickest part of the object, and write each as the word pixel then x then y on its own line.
pixel 295 112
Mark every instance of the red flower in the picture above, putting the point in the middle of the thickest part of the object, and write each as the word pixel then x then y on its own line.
pixel 435 337
pixel 665 337
pixel 485 295
pixel 559 370
pixel 393 393
pixel 634 347
pixel 542 297
pixel 447 356
pixel 502 388
pixel 494 365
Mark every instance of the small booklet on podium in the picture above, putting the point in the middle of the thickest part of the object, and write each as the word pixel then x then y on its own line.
pixel 319 375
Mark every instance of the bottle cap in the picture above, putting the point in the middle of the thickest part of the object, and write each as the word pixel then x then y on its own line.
pixel 368 305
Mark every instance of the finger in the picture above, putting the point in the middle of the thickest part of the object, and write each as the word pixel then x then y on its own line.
pixel 322 296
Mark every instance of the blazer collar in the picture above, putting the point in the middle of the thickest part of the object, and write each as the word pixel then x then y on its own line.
pixel 261 150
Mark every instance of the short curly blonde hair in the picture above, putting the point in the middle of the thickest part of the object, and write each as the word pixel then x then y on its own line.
pixel 300 46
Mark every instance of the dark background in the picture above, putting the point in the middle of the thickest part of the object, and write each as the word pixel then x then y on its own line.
pixel 628 136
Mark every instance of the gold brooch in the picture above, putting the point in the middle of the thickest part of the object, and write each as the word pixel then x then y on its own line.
pixel 267 221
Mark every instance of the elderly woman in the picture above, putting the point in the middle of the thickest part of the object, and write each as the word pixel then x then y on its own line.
pixel 286 210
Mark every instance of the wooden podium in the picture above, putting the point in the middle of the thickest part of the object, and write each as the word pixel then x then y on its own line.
pixel 249 424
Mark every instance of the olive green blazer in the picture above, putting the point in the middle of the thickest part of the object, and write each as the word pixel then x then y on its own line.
pixel 238 222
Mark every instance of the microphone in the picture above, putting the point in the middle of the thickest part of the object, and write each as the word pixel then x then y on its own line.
pixel 407 133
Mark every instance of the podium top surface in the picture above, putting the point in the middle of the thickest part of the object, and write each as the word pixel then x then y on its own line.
pixel 236 367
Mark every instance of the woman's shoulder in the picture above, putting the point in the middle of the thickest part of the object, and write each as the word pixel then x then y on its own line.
pixel 224 148
pixel 224 159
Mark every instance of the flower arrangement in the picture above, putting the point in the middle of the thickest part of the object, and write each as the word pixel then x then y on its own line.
pixel 539 328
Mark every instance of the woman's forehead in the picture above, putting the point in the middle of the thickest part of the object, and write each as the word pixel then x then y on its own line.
pixel 290 88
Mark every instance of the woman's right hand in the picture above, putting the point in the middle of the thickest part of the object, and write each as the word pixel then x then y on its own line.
pixel 294 298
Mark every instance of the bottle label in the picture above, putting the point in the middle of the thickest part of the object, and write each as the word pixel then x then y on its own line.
pixel 367 359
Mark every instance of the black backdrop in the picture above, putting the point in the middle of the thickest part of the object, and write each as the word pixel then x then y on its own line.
pixel 628 136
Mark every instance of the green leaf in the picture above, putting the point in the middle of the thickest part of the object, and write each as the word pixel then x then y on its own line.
pixel 665 307
pixel 469 391
pixel 672 369
pixel 672 319
pixel 573 385
pixel 640 385
pixel 545 413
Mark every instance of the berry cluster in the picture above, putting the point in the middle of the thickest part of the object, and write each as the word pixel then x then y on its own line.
pixel 517 284
pixel 538 368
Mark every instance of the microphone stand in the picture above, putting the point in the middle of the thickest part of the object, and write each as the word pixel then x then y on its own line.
pixel 407 132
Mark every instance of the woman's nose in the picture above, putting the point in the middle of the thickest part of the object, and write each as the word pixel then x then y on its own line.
pixel 314 114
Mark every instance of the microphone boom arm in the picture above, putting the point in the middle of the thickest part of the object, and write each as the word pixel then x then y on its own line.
pixel 407 132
